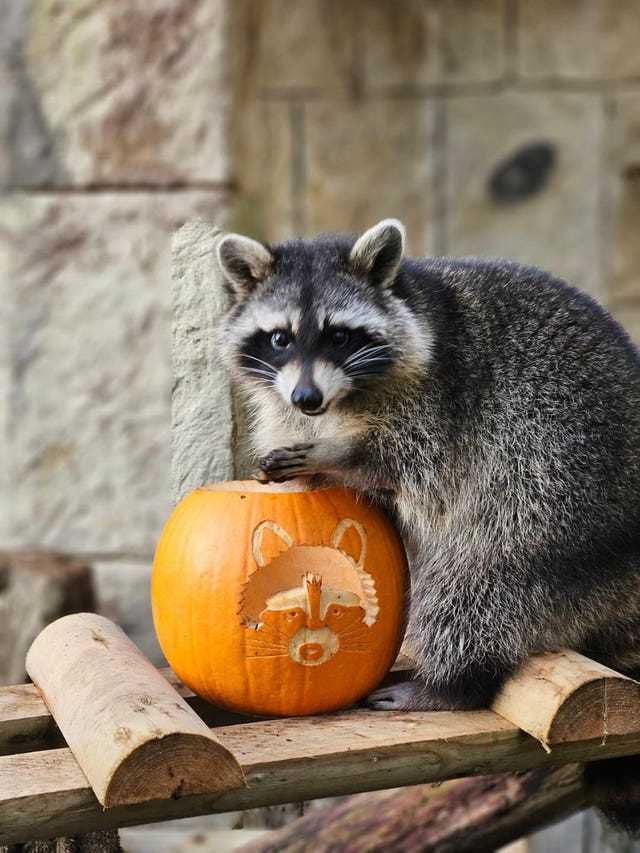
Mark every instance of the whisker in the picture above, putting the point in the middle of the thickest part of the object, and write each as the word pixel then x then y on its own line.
pixel 271 629
pixel 260 361
pixel 359 375
pixel 264 646
pixel 256 371
pixel 366 354
pixel 352 638
pixel 267 641
pixel 354 626
pixel 351 635
pixel 282 655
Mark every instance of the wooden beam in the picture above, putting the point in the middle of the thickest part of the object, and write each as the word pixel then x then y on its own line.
pixel 44 794
pixel 132 734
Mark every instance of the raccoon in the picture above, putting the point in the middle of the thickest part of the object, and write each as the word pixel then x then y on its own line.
pixel 493 408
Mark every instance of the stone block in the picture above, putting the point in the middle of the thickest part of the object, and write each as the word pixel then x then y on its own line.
pixel 623 168
pixel 299 45
pixel 557 227
pixel 86 428
pixel 578 39
pixel 418 43
pixel 267 146
pixel 368 160
pixel 26 156
pixel 126 93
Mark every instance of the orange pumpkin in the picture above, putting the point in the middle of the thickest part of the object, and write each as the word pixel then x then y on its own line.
pixel 275 602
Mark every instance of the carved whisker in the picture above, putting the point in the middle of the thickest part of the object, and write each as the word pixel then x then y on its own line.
pixel 271 629
pixel 269 655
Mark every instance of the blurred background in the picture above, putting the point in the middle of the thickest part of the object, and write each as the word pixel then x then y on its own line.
pixel 491 127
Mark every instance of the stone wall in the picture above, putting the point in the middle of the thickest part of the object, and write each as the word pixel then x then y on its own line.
pixel 114 125
pixel 119 121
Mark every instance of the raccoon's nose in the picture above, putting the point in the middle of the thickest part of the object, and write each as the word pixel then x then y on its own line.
pixel 307 398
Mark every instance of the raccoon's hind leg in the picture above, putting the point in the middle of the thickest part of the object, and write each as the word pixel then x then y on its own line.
pixel 465 694
pixel 469 629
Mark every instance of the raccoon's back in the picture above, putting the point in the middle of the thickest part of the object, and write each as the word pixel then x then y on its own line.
pixel 538 399
pixel 533 360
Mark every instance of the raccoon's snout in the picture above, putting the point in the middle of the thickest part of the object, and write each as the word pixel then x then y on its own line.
pixel 307 398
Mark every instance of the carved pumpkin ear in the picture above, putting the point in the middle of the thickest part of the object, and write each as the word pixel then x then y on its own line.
pixel 350 537
pixel 377 254
pixel 269 540
pixel 245 263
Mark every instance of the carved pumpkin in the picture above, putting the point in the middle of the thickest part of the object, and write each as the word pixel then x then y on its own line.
pixel 271 602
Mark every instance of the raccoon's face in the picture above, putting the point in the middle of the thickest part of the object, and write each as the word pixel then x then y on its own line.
pixel 314 321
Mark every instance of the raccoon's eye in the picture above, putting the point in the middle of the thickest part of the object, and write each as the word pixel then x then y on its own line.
pixel 339 337
pixel 280 339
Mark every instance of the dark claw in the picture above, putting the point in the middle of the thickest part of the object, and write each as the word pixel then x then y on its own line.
pixel 283 463
pixel 406 696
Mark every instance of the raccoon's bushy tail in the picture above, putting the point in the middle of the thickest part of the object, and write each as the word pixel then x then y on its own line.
pixel 613 787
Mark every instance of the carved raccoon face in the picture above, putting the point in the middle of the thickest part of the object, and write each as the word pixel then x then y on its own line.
pixel 314 321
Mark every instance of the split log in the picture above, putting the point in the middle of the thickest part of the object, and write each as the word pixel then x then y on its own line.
pixel 36 587
pixel 564 697
pixel 473 815
pixel 133 735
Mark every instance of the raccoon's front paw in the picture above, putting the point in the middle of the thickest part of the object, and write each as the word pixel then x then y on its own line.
pixel 285 463
pixel 406 696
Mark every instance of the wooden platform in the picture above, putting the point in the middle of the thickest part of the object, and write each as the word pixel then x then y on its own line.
pixel 43 792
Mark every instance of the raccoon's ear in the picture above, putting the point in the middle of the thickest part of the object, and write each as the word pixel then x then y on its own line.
pixel 245 263
pixel 376 255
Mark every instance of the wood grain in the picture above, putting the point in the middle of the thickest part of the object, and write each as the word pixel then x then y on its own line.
pixel 469 816
pixel 131 733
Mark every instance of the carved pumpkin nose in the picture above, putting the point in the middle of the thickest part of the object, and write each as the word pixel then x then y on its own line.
pixel 307 398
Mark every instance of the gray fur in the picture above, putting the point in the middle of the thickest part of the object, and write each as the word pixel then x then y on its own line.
pixel 504 435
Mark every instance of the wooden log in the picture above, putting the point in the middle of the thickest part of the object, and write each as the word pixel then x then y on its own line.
pixel 565 697
pixel 474 815
pixel 133 736
pixel 36 587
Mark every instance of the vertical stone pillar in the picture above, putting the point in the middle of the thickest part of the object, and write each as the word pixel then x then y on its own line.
pixel 203 422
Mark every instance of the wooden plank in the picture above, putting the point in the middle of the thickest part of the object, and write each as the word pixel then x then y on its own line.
pixel 45 794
